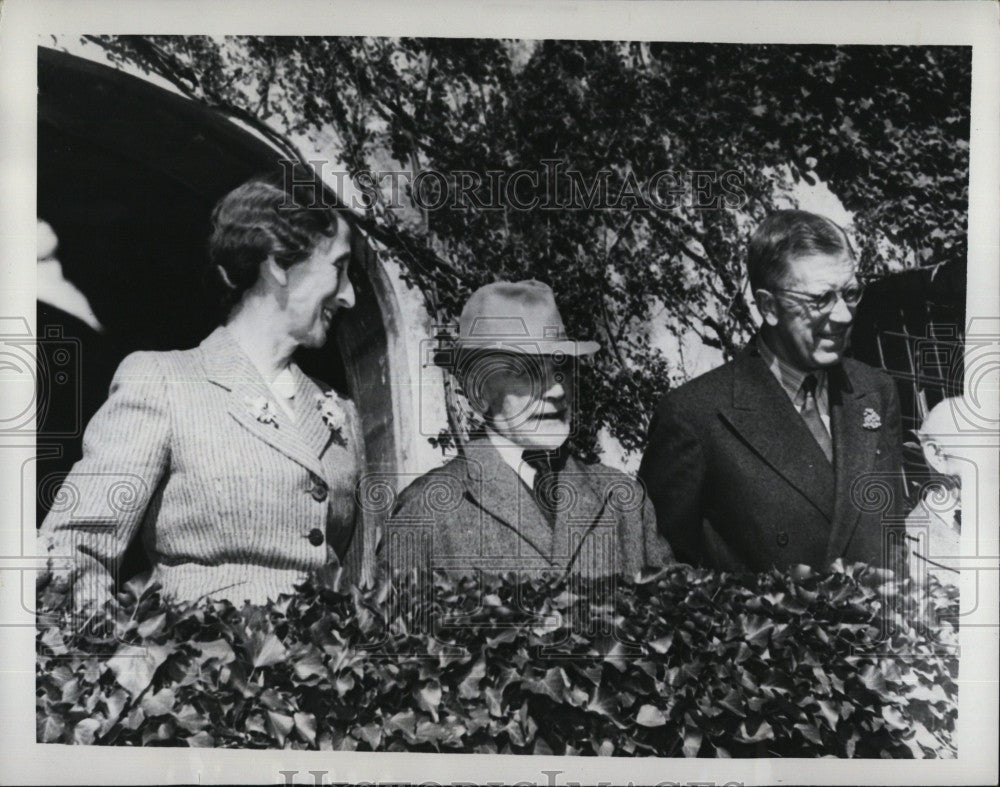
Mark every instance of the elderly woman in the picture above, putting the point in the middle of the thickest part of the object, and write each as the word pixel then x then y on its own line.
pixel 235 469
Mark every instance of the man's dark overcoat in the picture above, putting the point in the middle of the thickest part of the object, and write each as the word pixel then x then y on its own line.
pixel 739 482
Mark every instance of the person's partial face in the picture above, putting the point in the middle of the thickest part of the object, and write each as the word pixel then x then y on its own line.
pixel 803 331
pixel 319 287
pixel 527 399
pixel 939 459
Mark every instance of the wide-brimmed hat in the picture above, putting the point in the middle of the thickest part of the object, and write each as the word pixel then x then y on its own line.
pixel 511 317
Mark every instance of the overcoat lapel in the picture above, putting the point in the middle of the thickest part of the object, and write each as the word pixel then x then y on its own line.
pixel 228 367
pixel 494 486
pixel 583 512
pixel 853 455
pixel 764 417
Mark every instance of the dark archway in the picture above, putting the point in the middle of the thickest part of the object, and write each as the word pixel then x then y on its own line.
pixel 128 173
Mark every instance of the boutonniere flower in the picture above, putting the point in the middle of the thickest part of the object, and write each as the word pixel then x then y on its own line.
pixel 872 420
pixel 333 414
pixel 261 409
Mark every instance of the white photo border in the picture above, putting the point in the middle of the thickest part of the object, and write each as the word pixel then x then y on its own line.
pixel 25 24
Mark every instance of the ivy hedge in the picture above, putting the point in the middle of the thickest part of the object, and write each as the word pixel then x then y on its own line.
pixel 687 662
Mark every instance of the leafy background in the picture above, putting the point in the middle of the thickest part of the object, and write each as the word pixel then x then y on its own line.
pixel 686 662
pixel 884 128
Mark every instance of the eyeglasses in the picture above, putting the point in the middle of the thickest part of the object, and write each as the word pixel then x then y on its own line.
pixel 824 302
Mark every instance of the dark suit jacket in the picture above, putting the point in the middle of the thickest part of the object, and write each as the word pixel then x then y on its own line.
pixel 474 514
pixel 739 482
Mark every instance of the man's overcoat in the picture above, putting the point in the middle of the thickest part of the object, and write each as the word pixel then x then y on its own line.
pixel 739 482
pixel 475 514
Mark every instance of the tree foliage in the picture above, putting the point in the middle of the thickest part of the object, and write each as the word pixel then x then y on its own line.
pixel 885 128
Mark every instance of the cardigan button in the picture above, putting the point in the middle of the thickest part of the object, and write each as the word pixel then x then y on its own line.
pixel 316 537
pixel 782 539
pixel 319 490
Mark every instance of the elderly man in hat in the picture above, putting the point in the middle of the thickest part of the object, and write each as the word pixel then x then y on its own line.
pixel 515 499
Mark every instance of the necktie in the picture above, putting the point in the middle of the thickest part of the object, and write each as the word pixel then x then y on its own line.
pixel 810 414
pixel 547 465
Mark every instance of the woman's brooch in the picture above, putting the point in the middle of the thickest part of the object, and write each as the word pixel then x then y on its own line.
pixel 261 409
pixel 334 416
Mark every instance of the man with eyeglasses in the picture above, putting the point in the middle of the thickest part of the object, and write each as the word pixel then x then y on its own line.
pixel 791 453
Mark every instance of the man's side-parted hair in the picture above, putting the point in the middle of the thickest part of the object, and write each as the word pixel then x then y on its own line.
pixel 260 219
pixel 785 235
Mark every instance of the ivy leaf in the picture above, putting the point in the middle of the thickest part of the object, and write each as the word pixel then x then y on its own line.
pixel 279 726
pixel 615 653
pixel 830 713
pixel 553 685
pixel 217 649
pixel 404 721
pixel 200 740
pixel 305 724
pixel 810 733
pixel 692 742
pixel 134 665
pixel 763 732
pixel 71 690
pixel 255 723
pixel 756 630
pixel 650 716
pixel 446 654
pixel 469 687
pixel 429 698
pixel 605 702
pixel 153 625
pixel 85 730
pixel 894 718
pixel 873 679
pixel 733 702
pixel 274 700
pixel 265 650
pixel 310 666
pixel 158 704
pixel 191 719
pixel 52 729
pixel 493 702
pixel 54 640
pixel 371 734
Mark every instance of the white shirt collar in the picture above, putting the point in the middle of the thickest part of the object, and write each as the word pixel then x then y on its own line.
pixel 790 377
pixel 511 453
pixel 283 386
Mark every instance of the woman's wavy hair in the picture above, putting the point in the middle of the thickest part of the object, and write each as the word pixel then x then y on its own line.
pixel 263 218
